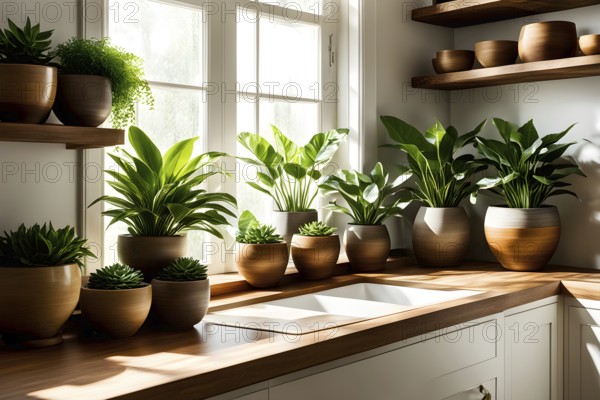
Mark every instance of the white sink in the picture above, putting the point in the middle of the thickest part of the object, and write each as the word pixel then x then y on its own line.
pixel 331 308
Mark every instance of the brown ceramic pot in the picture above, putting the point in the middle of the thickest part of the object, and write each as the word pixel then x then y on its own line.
pixel 522 239
pixel 262 265
pixel 367 247
pixel 441 236
pixel 83 100
pixel 116 313
pixel 35 302
pixel 590 44
pixel 455 60
pixel 495 53
pixel 27 92
pixel 180 305
pixel 315 257
pixel 288 223
pixel 548 40
pixel 150 254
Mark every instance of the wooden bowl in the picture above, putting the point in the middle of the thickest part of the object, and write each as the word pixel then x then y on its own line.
pixel 455 60
pixel 494 53
pixel 547 41
pixel 590 44
pixel 436 66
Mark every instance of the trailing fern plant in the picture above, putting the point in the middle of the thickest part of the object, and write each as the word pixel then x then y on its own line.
pixel 251 231
pixel 316 228
pixel 44 246
pixel 116 277
pixel 27 45
pixel 184 269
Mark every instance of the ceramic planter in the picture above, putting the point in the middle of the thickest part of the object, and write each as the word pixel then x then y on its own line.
pixel 522 239
pixel 27 92
pixel 262 265
pixel 83 100
pixel 180 305
pixel 441 236
pixel 150 254
pixel 367 247
pixel 35 302
pixel 315 257
pixel 288 223
pixel 116 313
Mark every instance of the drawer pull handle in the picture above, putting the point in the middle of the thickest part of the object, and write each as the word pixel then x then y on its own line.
pixel 486 394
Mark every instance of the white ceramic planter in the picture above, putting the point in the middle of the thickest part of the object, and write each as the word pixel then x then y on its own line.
pixel 288 223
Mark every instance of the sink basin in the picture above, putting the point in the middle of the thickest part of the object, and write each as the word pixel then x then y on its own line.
pixel 331 308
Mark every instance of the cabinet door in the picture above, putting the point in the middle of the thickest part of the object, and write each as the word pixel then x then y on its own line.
pixel 248 393
pixel 583 354
pixel 531 351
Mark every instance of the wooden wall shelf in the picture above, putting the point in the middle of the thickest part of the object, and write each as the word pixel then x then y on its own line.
pixel 564 68
pixel 74 137
pixel 459 13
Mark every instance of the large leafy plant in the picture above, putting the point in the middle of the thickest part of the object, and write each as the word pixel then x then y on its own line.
pixel 287 172
pixel 443 178
pixel 369 197
pixel 116 277
pixel 251 231
pixel 159 194
pixel 529 168
pixel 27 45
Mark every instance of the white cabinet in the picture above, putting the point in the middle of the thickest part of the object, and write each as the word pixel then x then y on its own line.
pixel 255 392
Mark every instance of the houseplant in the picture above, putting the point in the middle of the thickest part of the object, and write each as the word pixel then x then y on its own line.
pixel 315 250
pixel 370 203
pixel 39 282
pixel 27 81
pixel 441 231
pixel 95 78
pixel 288 172
pixel 261 254
pixel 159 200
pixel 180 293
pixel 116 300
pixel 530 168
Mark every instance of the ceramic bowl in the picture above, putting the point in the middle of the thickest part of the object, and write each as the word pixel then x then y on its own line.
pixel 548 40
pixel 436 66
pixel 590 44
pixel 455 60
pixel 494 53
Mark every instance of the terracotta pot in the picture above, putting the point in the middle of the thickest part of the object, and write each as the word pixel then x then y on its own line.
pixel 367 247
pixel 150 254
pixel 116 313
pixel 590 44
pixel 180 305
pixel 83 100
pixel 548 40
pixel 27 92
pixel 35 302
pixel 522 239
pixel 441 236
pixel 315 257
pixel 262 265
pixel 288 223
pixel 495 53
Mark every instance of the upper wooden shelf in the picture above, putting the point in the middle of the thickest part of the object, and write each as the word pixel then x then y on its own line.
pixel 74 137
pixel 564 68
pixel 459 13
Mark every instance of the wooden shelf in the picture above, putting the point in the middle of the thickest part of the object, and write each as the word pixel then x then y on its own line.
pixel 459 13
pixel 564 68
pixel 74 137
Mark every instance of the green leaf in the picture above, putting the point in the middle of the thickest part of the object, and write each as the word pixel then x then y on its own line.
pixel 406 134
pixel 145 149
pixel 295 170
pixel 285 146
pixel 176 158
pixel 246 221
pixel 371 193
pixel 505 128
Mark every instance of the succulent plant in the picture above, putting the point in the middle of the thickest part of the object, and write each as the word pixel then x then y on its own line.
pixel 44 246
pixel 316 228
pixel 260 234
pixel 184 269
pixel 28 45
pixel 116 277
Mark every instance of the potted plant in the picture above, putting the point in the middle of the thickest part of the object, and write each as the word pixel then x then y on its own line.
pixel 27 81
pixel 261 254
pixel 315 250
pixel 39 282
pixel 95 78
pixel 288 172
pixel 160 200
pixel 530 168
pixel 370 203
pixel 180 293
pixel 116 300
pixel 441 231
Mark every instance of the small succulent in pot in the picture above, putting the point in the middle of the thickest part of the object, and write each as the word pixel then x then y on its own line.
pixel 316 228
pixel 116 277
pixel 315 250
pixel 184 269
pixel 27 45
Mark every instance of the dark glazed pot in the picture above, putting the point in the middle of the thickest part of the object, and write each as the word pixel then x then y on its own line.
pixel 180 305
pixel 83 100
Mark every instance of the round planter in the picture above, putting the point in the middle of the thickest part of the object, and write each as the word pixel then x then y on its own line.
pixel 548 40
pixel 441 236
pixel 315 257
pixel 150 254
pixel 262 265
pixel 180 305
pixel 367 247
pixel 288 223
pixel 116 313
pixel 83 100
pixel 35 302
pixel 522 239
pixel 27 92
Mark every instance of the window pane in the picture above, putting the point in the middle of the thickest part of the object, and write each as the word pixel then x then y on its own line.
pixel 246 50
pixel 308 6
pixel 299 121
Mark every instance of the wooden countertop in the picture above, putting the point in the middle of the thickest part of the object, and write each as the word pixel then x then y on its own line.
pixel 213 359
